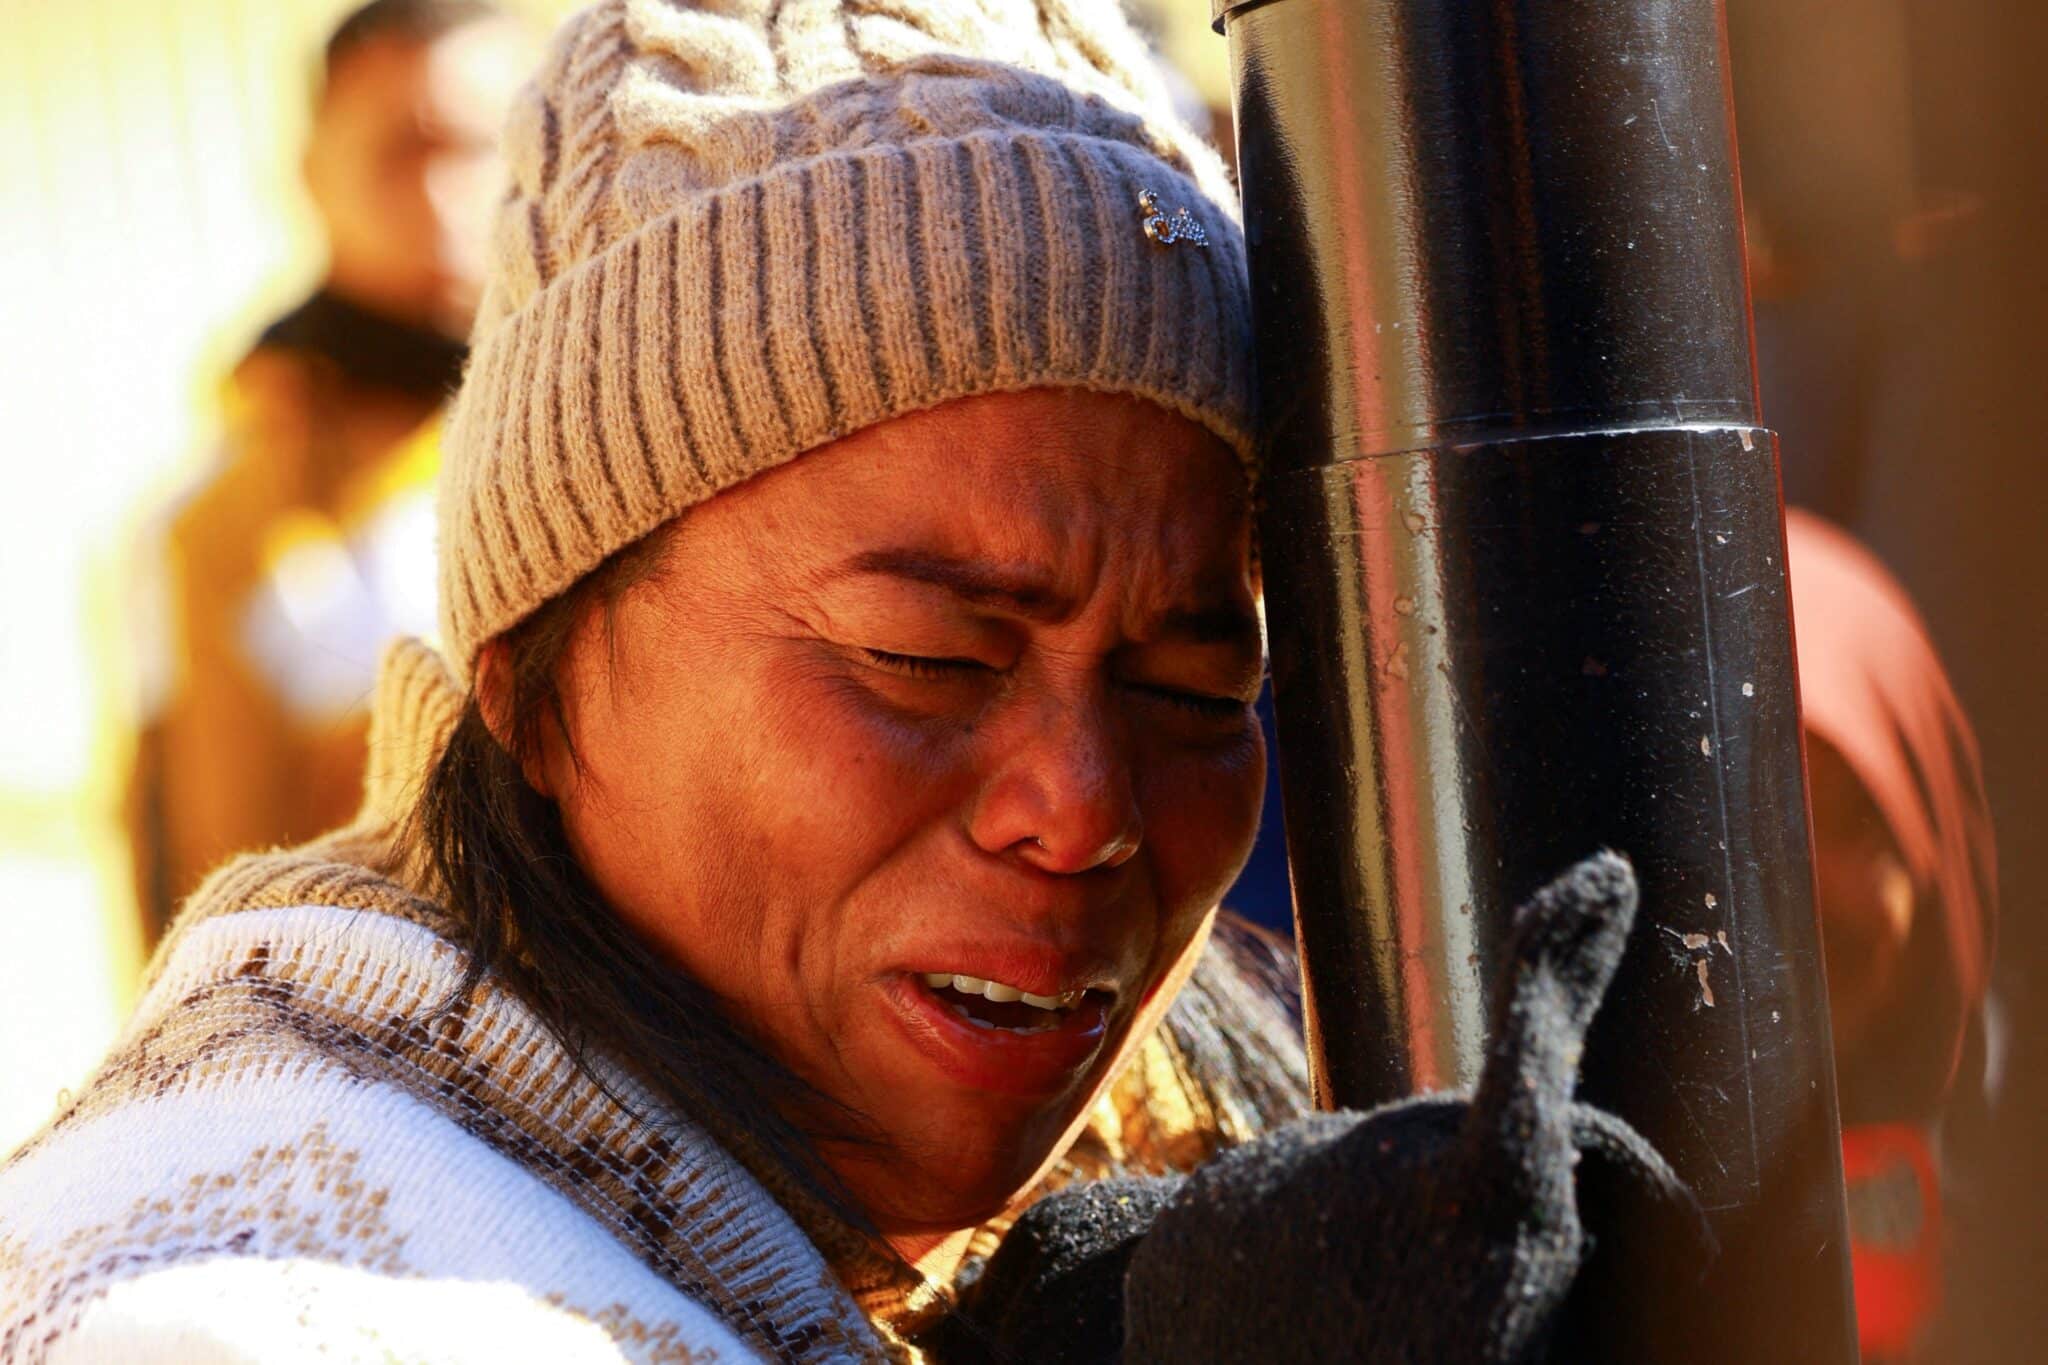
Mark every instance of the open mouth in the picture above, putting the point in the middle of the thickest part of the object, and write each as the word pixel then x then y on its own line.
pixel 995 1005
pixel 995 1037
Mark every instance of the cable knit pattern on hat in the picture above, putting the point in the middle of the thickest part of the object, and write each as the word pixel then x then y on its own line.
pixel 739 229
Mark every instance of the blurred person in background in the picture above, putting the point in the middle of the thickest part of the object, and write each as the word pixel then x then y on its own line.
pixel 1907 875
pixel 274 584
pixel 1897 182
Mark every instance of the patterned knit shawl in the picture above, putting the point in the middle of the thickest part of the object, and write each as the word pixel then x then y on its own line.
pixel 303 1133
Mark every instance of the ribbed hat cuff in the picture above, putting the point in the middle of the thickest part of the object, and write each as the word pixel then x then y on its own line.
pixel 776 315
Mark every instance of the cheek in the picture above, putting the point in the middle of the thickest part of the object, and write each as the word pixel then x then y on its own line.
pixel 1201 814
pixel 639 814
pixel 844 770
pixel 750 800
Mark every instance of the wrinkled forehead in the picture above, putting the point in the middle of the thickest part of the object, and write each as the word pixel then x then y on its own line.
pixel 1062 488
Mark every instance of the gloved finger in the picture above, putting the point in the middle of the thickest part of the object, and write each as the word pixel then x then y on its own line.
pixel 1567 941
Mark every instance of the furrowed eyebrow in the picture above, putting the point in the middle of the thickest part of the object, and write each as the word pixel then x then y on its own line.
pixel 1030 597
pixel 975 583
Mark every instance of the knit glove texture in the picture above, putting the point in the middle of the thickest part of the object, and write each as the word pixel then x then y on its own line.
pixel 1440 1229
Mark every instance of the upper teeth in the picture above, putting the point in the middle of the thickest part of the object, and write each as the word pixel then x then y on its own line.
pixel 997 991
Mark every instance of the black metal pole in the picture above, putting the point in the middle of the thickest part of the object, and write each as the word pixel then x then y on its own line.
pixel 1525 583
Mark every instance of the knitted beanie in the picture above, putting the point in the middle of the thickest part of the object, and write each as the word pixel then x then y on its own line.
pixel 740 229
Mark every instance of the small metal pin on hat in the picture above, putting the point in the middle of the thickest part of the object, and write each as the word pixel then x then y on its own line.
pixel 1181 227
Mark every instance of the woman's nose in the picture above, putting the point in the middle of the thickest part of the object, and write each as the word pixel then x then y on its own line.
pixel 1061 795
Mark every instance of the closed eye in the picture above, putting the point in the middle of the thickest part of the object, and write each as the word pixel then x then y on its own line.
pixel 1200 703
pixel 922 666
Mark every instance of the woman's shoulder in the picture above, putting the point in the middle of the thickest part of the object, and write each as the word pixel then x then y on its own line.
pixel 364 867
pixel 302 1209
pixel 313 1095
pixel 246 1309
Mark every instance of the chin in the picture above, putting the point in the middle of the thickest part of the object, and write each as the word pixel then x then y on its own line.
pixel 960 1174
pixel 944 1199
pixel 973 1118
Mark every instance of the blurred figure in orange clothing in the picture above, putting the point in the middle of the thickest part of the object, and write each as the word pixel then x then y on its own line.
pixel 1907 876
pixel 308 543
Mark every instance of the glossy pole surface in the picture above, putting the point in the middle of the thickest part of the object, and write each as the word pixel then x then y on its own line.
pixel 1526 587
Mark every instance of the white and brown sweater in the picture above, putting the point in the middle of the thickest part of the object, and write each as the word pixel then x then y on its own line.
pixel 294 1152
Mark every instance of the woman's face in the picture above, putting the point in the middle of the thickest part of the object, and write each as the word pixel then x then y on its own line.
pixel 954 711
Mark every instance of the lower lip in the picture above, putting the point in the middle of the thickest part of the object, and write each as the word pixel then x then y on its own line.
pixel 992 1059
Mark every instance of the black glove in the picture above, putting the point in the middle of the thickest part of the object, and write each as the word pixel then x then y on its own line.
pixel 1054 1290
pixel 1435 1230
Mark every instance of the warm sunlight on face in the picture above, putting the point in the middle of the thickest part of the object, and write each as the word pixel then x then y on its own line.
pixel 931 753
